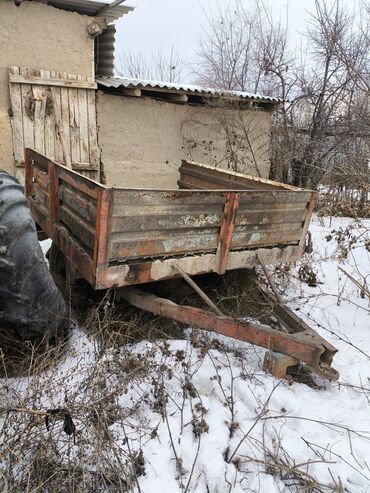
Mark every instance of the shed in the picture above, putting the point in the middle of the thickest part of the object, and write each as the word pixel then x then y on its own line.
pixel 147 127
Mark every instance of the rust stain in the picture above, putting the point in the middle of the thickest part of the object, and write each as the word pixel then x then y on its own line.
pixel 226 230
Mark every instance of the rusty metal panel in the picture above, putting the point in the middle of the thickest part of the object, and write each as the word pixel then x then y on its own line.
pixel 152 223
pixel 203 177
pixel 64 204
pixel 77 207
pixel 78 202
pixel 266 236
pixel 155 223
pixel 142 271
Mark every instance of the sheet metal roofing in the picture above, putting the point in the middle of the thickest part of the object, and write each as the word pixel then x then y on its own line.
pixel 189 89
pixel 91 7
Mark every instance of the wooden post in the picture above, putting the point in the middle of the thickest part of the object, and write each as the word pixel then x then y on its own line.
pixel 270 280
pixel 310 208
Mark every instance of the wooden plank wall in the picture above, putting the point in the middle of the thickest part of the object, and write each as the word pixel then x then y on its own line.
pixel 54 114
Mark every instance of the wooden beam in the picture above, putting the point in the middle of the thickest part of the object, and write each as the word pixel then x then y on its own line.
pixel 270 280
pixel 177 98
pixel 46 81
pixel 128 91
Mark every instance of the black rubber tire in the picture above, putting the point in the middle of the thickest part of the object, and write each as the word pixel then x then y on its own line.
pixel 29 299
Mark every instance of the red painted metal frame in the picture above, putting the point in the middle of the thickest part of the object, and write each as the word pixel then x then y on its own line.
pixel 104 213
pixel 306 345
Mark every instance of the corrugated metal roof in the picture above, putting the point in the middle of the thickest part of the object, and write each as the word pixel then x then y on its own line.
pixel 189 89
pixel 91 7
pixel 104 52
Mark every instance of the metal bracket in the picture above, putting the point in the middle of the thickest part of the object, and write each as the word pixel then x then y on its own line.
pixel 226 231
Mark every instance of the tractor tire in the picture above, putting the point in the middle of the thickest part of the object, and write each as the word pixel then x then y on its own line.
pixel 30 302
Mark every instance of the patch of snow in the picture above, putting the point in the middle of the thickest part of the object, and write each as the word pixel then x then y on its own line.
pixel 212 420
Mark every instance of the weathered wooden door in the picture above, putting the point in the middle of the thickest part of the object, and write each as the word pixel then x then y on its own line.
pixel 54 113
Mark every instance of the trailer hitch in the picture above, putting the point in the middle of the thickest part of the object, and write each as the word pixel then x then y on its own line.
pixel 299 343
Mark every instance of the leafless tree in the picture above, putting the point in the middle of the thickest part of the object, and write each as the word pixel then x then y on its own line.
pixel 158 66
pixel 334 104
pixel 322 132
pixel 244 48
pixel 228 48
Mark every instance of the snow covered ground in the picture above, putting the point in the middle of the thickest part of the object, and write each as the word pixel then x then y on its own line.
pixel 200 415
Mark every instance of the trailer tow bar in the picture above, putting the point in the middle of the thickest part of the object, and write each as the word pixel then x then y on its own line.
pixel 299 343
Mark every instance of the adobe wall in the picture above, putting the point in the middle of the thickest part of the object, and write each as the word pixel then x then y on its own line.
pixel 42 37
pixel 143 140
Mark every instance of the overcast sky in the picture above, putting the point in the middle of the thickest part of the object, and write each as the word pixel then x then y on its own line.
pixel 165 23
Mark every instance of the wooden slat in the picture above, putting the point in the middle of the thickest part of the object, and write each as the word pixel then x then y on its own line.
pixel 40 195
pixel 162 198
pixel 164 221
pixel 208 177
pixel 77 181
pixel 65 119
pixel 186 220
pixel 46 80
pixel 57 109
pixel 94 157
pixel 247 198
pixel 266 235
pixel 74 119
pixel 39 119
pixel 271 216
pixel 49 120
pixel 28 111
pixel 16 120
pixel 84 122
pixel 160 243
pixel 41 178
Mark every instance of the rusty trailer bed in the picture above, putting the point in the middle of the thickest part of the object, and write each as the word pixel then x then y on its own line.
pixel 215 221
